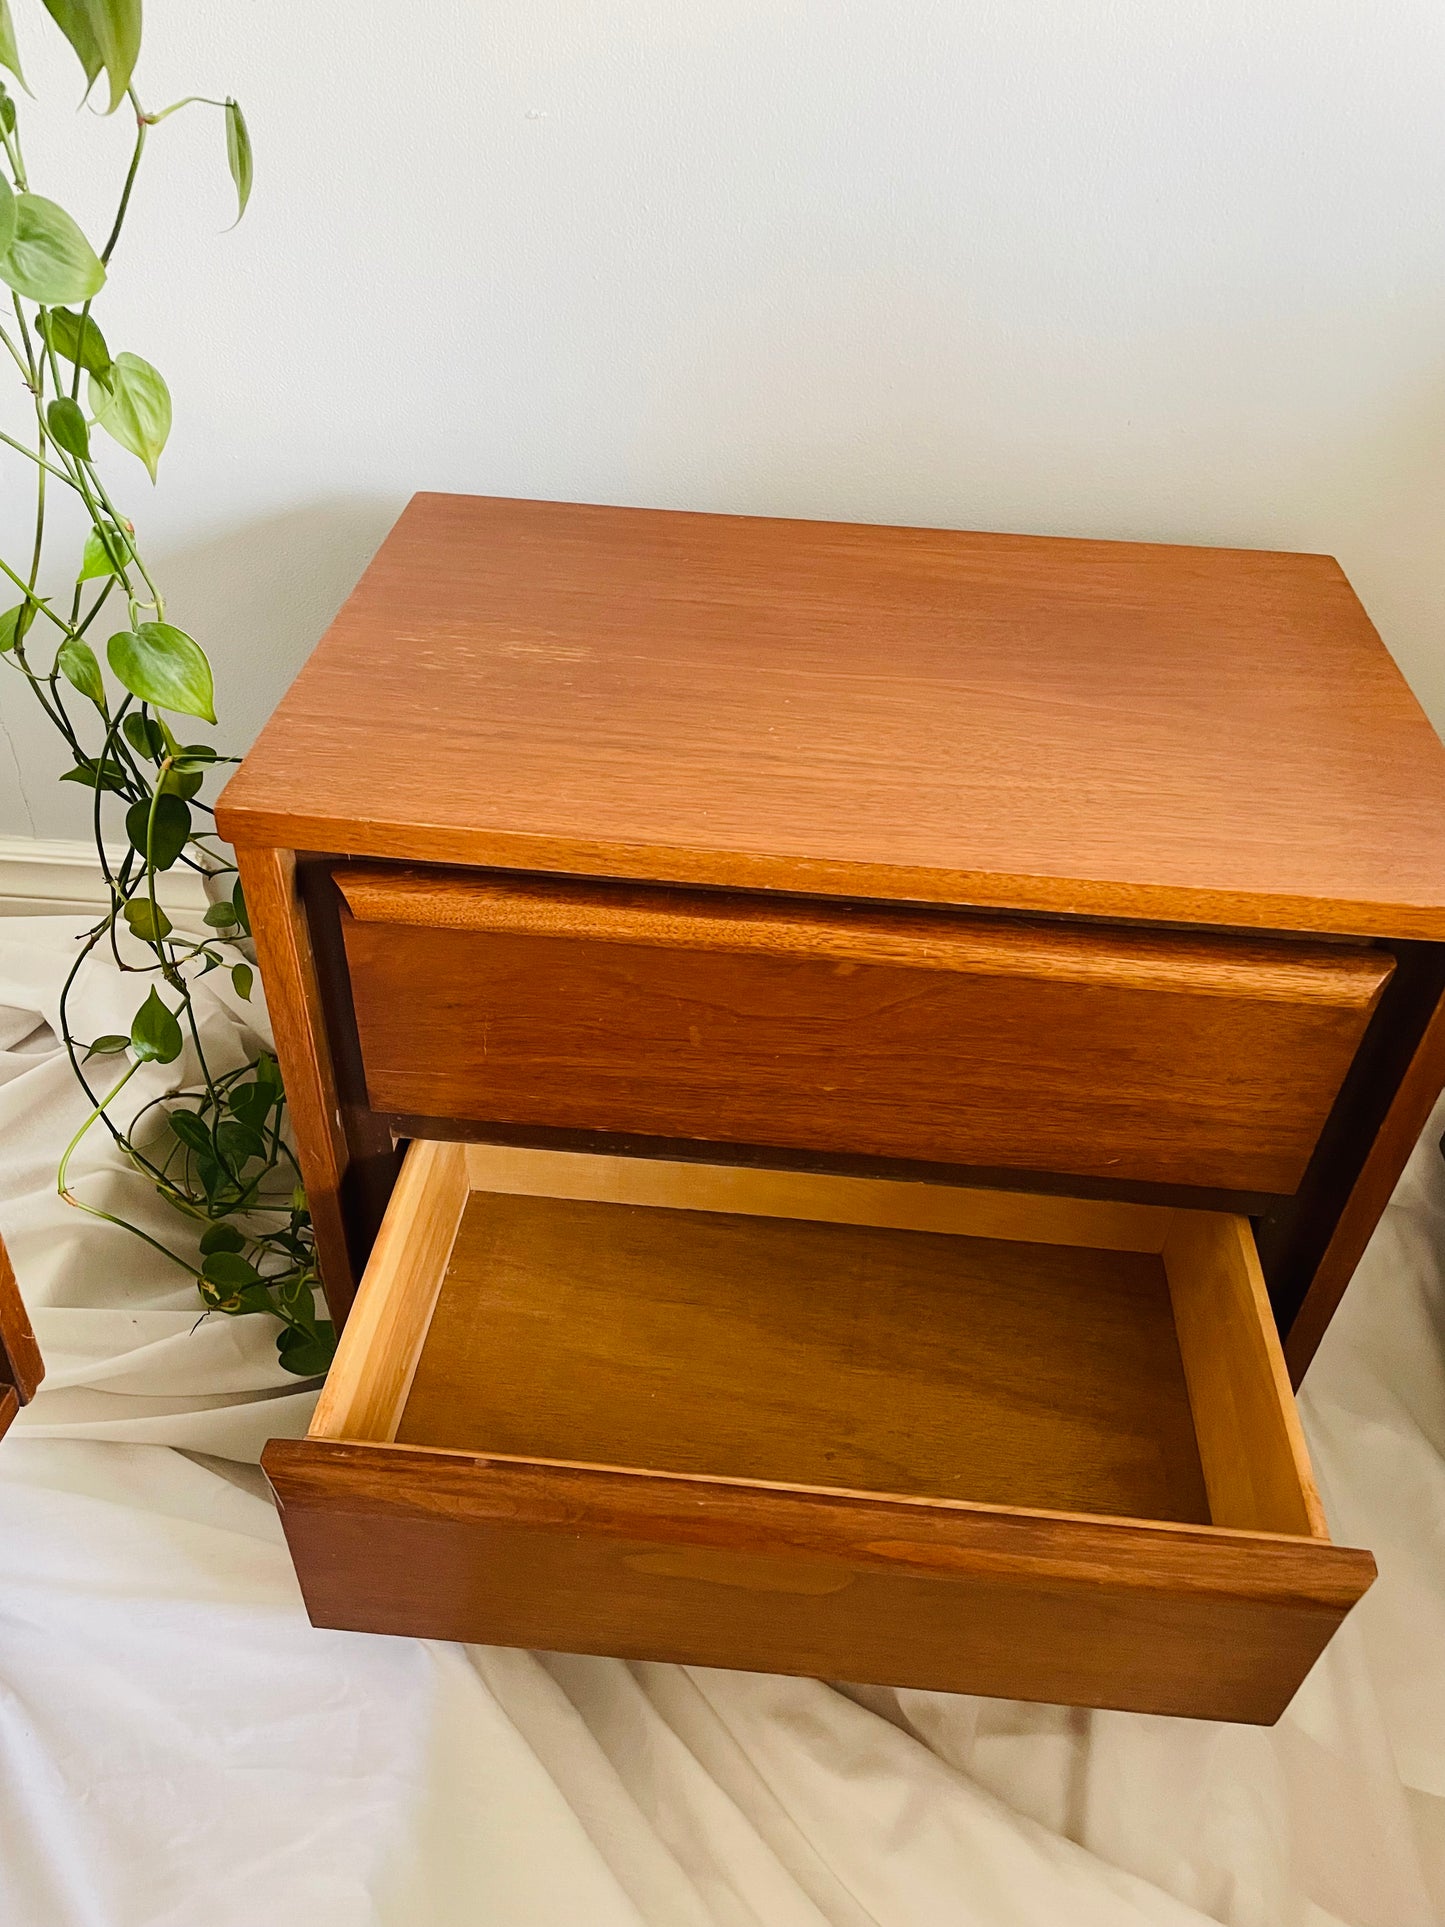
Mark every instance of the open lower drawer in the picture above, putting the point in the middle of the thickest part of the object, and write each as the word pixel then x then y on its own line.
pixel 904 1433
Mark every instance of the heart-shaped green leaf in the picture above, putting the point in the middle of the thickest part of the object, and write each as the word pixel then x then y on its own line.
pixel 242 1099
pixel 182 781
pixel 103 33
pixel 13 625
pixel 107 551
pixel 76 662
pixel 155 1036
pixel 117 25
pixel 242 976
pixel 75 337
pixel 238 1141
pixel 48 258
pixel 133 405
pixel 238 153
pixel 196 759
pixel 221 916
pixel 73 19
pixel 229 1268
pixel 147 920
pixel 169 829
pixel 193 1133
pixel 307 1353
pixel 252 1104
pixel 9 52
pixel 144 735
pixel 66 422
pixel 108 1045
pixel 163 665
pixel 109 775
pixel 221 1237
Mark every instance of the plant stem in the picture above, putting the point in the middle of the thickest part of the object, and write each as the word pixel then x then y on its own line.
pixel 207 1186
pixel 109 1098
pixel 142 127
pixel 31 456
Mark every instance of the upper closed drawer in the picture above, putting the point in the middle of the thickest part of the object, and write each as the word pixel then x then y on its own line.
pixel 1083 1050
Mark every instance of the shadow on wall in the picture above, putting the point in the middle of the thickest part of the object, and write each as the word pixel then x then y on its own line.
pixel 260 596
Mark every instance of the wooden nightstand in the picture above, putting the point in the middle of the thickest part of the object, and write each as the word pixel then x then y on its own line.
pixel 891 1027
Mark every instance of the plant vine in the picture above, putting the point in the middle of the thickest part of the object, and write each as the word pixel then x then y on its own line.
pixel 217 1153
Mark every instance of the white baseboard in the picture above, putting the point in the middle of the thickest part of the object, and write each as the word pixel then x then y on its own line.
pixel 41 877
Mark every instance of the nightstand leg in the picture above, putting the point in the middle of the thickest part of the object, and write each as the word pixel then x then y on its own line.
pixel 346 1155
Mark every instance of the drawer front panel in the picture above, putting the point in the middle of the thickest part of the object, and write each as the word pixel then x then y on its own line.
pixel 577 1559
pixel 925 1036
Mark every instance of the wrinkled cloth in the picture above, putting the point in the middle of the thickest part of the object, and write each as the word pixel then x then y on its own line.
pixel 125 1358
pixel 179 1748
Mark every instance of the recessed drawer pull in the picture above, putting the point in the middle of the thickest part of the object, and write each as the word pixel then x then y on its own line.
pixel 1338 976
pixel 752 1571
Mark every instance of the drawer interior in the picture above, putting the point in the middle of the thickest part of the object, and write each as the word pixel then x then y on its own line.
pixel 821 1333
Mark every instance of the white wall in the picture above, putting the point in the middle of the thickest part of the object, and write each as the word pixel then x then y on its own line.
pixel 1145 268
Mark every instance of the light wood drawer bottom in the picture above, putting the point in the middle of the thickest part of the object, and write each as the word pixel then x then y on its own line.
pixel 1028 1447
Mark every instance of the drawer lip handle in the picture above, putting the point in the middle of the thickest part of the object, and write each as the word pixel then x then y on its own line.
pixel 1337 976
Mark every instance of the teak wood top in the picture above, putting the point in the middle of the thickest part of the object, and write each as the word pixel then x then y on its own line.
pixel 1029 723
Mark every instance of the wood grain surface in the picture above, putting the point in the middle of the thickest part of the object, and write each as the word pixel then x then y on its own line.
pixel 1096 1052
pixel 1339 976
pixel 810 1354
pixel 1251 1445
pixel 964 1210
pixel 1020 1605
pixel 367 1385
pixel 738 1369
pixel 21 1367
pixel 1112 729
pixel 782 1158
pixel 301 1026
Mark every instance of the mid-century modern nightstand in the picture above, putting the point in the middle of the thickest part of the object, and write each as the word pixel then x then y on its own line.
pixel 891 1029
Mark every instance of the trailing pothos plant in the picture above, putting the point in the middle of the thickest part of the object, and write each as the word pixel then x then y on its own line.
pixel 126 712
